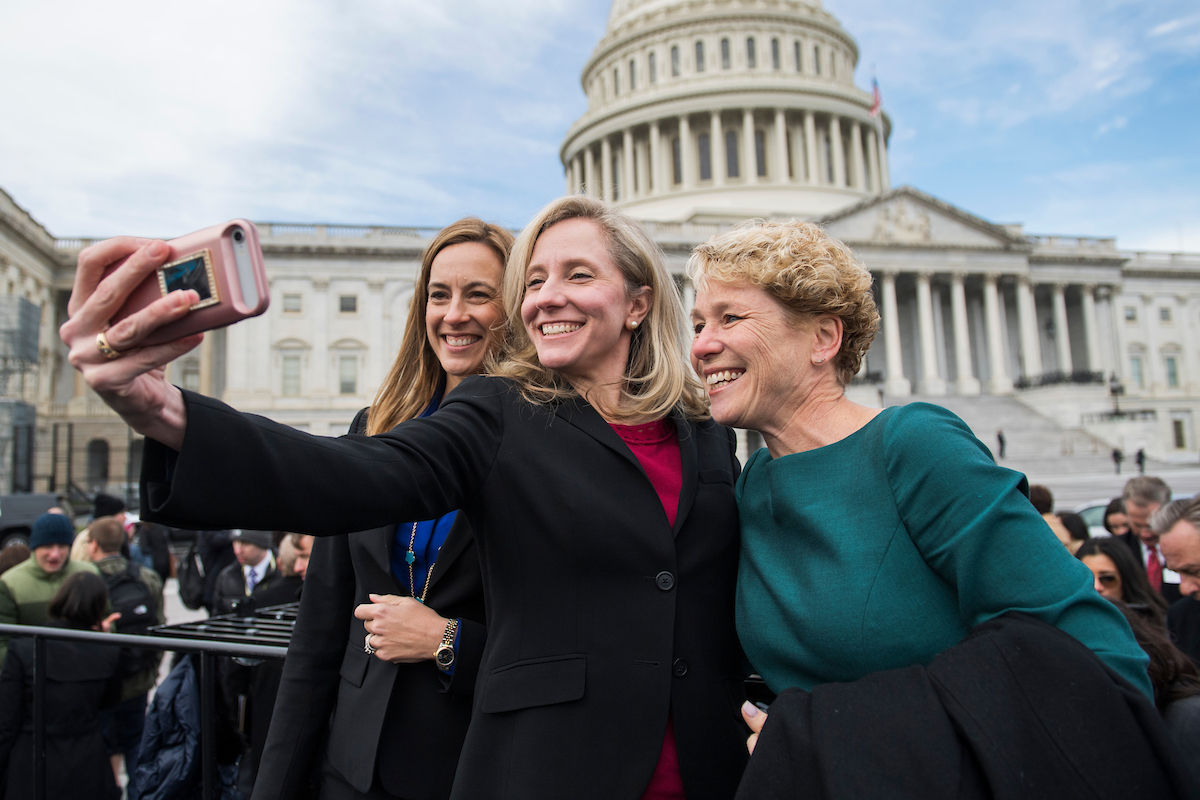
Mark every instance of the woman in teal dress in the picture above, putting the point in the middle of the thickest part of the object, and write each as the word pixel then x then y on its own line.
pixel 871 539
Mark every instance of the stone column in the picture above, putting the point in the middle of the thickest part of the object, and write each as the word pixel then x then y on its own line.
pixel 1187 380
pixel 643 171
pixel 606 170
pixel 781 148
pixel 1031 348
pixel 656 183
pixel 931 382
pixel 895 383
pixel 750 157
pixel 885 178
pixel 999 382
pixel 1106 323
pixel 860 169
pixel 206 366
pixel 810 149
pixel 570 177
pixel 627 189
pixel 839 153
pixel 686 173
pixel 1150 365
pixel 873 160
pixel 1091 331
pixel 1062 336
pixel 966 383
pixel 716 149
pixel 589 172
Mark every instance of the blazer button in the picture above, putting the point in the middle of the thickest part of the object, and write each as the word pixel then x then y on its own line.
pixel 665 581
pixel 679 668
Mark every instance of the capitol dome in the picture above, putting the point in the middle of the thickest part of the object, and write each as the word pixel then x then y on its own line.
pixel 718 110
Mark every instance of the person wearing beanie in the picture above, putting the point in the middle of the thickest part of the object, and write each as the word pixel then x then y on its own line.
pixel 252 574
pixel 27 589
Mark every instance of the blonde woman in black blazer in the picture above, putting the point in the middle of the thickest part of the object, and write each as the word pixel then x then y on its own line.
pixel 394 721
pixel 611 657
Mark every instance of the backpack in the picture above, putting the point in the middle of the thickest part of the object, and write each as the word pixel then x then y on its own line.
pixel 128 594
pixel 190 574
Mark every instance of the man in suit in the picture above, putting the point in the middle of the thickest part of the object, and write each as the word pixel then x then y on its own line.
pixel 252 573
pixel 1144 495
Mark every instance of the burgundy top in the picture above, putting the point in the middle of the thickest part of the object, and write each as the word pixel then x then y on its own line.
pixel 656 446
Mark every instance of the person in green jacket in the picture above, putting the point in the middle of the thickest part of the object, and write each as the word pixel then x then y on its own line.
pixel 27 589
pixel 872 539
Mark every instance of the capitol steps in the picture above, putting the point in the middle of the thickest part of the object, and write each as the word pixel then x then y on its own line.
pixel 1037 446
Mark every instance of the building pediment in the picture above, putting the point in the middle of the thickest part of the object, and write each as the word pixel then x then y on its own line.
pixel 907 217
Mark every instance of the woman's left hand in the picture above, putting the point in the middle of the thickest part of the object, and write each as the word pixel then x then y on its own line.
pixel 755 718
pixel 402 630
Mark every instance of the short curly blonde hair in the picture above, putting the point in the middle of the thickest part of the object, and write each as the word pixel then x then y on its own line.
pixel 809 272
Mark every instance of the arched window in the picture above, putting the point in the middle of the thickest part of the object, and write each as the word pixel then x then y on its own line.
pixel 799 58
pixel 775 54
pixel 833 64
pixel 751 54
pixel 699 56
pixel 632 75
pixel 731 154
pixel 653 68
pixel 725 54
pixel 677 159
pixel 817 59
pixel 704 145
pixel 616 82
pixel 97 465
pixel 675 60
pixel 760 153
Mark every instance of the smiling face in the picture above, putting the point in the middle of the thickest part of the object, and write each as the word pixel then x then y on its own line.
pixel 753 356
pixel 463 311
pixel 577 308
pixel 1106 577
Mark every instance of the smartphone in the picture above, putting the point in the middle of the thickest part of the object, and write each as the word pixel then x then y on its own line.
pixel 223 264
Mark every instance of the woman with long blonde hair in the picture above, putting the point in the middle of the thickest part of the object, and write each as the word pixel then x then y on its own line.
pixel 393 590
pixel 599 491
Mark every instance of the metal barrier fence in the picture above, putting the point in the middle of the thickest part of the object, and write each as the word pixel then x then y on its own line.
pixel 209 651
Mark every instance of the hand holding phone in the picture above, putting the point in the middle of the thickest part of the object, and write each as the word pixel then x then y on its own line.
pixel 222 264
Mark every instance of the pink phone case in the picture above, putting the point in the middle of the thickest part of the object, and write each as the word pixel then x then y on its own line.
pixel 205 261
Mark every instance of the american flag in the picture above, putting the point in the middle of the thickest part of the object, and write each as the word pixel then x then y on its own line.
pixel 876 99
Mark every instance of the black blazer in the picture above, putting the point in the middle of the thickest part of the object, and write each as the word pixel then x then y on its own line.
pixel 602 619
pixel 1170 591
pixel 404 722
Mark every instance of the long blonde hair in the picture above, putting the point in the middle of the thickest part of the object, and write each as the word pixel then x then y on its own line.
pixel 416 372
pixel 657 379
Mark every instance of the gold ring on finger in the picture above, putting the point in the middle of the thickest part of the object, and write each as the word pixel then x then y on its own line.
pixel 105 348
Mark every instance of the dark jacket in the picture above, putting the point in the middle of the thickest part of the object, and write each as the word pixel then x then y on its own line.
pixel 230 587
pixel 81 679
pixel 402 723
pixel 603 620
pixel 1170 591
pixel 170 761
pixel 155 543
pixel 1018 710
pixel 215 549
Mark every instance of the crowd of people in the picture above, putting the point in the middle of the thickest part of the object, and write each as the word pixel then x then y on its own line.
pixel 540 571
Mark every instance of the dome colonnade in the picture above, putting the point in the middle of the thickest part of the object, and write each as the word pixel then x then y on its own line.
pixel 722 109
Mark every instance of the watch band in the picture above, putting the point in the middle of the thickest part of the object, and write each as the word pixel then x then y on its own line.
pixel 445 652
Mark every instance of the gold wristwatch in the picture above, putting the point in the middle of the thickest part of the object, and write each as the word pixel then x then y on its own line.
pixel 445 652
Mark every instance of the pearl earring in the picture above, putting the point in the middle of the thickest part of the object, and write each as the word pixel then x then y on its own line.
pixel 633 324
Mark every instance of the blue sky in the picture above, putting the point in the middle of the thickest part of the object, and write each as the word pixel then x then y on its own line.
pixel 139 116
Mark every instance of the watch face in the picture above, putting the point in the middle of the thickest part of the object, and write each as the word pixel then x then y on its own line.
pixel 445 656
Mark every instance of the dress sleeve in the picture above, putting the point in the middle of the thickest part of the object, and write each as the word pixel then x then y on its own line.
pixel 12 708
pixel 244 471
pixel 973 524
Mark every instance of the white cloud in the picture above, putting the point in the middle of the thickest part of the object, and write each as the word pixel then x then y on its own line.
pixel 1112 125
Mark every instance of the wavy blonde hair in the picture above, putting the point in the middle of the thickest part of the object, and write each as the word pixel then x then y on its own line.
pixel 416 372
pixel 809 272
pixel 657 380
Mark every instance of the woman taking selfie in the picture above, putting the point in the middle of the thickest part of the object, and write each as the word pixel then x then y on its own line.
pixel 379 699
pixel 600 495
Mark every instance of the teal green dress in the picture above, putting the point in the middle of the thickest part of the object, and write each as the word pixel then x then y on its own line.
pixel 883 549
